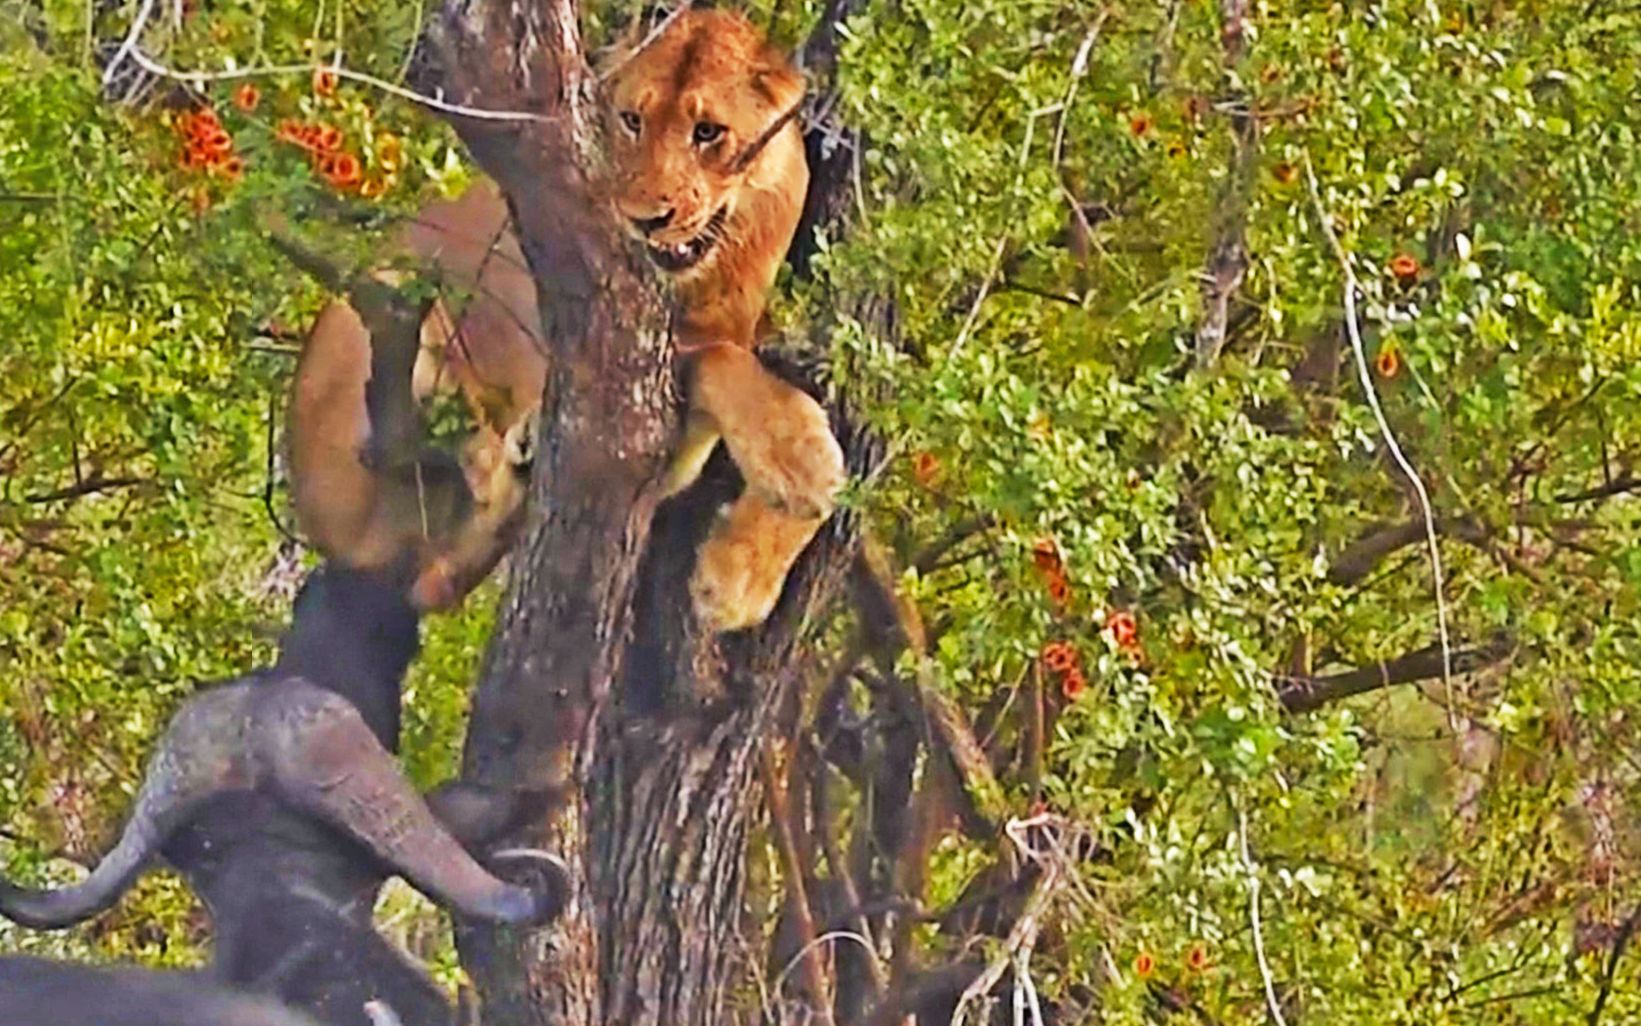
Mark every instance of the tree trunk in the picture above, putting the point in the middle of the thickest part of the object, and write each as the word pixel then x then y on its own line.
pixel 598 685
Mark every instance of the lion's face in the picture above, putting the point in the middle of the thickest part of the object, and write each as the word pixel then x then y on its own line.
pixel 706 147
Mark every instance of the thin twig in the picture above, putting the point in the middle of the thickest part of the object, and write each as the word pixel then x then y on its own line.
pixel 825 938
pixel 199 78
pixel 1253 918
pixel 1057 873
pixel 1355 335
pixel 92 485
pixel 128 45
pixel 1226 267
pixel 415 43
pixel 820 799
pixel 654 34
pixel 797 897
pixel 1020 941
pixel 985 286
pixel 1079 68
pixel 1619 944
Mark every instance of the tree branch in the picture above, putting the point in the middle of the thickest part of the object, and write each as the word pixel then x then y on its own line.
pixel 1306 694
pixel 797 895
pixel 1625 933
pixel 608 423
pixel 1617 486
pixel 90 486
pixel 946 719
pixel 1228 251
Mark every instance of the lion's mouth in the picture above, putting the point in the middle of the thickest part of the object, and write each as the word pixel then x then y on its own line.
pixel 684 255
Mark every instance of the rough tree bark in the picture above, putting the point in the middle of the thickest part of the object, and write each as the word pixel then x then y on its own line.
pixel 598 686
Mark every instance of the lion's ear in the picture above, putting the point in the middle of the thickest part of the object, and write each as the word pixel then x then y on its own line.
pixel 778 84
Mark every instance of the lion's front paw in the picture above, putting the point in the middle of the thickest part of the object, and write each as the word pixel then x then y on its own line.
pixel 794 463
pixel 776 434
pixel 742 566
pixel 726 590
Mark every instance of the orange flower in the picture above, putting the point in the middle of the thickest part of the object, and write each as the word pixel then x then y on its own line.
pixel 1144 965
pixel 289 130
pixel 1046 554
pixel 1270 73
pixel 324 82
pixel 1195 106
pixel 1059 590
pixel 1176 150
pixel 342 169
pixel 200 199
pixel 1073 684
pixel 1404 266
pixel 1139 125
pixel 1285 173
pixel 233 168
pixel 1388 362
pixel 247 96
pixel 1125 630
pixel 1196 959
pixel 926 468
pixel 219 143
pixel 205 117
pixel 372 187
pixel 1059 656
pixel 389 151
pixel 327 138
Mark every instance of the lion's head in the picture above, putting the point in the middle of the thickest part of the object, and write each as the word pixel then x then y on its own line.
pixel 709 165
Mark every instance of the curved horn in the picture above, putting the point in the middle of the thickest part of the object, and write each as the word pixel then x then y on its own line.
pixel 324 760
pixel 198 756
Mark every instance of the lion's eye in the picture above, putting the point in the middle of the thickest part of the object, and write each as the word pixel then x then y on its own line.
pixel 707 132
pixel 631 121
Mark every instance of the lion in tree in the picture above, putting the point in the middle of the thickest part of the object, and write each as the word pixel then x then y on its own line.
pixel 710 178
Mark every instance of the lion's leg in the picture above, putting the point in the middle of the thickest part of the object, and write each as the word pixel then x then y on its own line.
pixel 479 543
pixel 700 438
pixel 325 761
pixel 778 436
pixel 742 566
pixel 432 374
pixel 335 493
pixel 497 471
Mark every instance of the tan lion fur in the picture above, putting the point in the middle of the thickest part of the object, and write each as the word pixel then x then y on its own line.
pixel 743 189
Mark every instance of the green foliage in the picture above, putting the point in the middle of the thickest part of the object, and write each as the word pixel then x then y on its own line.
pixel 1052 385
pixel 148 345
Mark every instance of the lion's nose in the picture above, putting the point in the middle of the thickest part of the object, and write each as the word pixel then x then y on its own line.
pixel 649 225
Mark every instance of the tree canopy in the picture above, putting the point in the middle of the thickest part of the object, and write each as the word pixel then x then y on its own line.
pixel 1161 504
